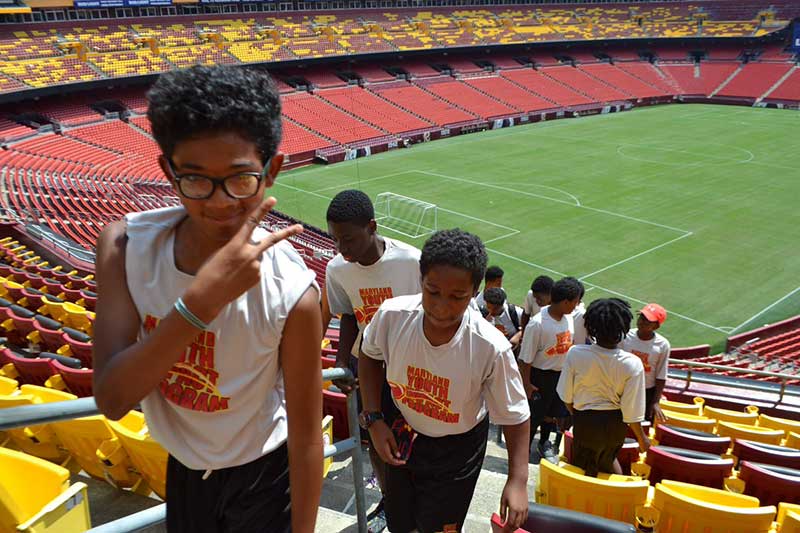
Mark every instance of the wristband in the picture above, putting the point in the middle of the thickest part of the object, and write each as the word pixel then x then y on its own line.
pixel 190 317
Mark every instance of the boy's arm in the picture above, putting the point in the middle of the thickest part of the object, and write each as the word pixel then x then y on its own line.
pixel 632 405
pixel 661 382
pixel 125 371
pixel 326 310
pixel 644 440
pixel 514 501
pixel 302 374
pixel 370 376
pixel 348 333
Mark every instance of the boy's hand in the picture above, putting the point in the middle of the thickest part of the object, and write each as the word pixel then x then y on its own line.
pixel 234 268
pixel 514 504
pixel 658 414
pixel 344 386
pixel 529 389
pixel 644 444
pixel 385 444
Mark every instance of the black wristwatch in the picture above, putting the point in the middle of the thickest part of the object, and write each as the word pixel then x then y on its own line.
pixel 367 418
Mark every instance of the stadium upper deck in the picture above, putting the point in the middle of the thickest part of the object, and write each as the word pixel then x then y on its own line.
pixel 47 54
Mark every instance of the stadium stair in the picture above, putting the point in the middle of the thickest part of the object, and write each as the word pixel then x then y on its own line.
pixel 727 81
pixel 791 73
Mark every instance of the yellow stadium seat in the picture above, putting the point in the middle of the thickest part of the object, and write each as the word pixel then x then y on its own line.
pixel 39 440
pixel 146 455
pixel 793 440
pixel 687 508
pixel 36 497
pixel 695 408
pixel 614 497
pixel 91 442
pixel 749 416
pixel 788 518
pixel 687 421
pixel 7 385
pixel 745 432
pixel 327 438
pixel 52 309
pixel 774 422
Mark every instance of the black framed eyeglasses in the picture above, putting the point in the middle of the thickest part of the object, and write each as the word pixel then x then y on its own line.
pixel 240 186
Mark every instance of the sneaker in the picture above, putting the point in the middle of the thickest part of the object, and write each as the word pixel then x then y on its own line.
pixel 546 451
pixel 377 523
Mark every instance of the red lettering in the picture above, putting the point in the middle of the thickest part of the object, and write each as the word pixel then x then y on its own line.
pixel 187 397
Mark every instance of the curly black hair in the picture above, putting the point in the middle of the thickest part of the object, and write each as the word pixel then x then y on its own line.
pixel 567 288
pixel 494 296
pixel 455 248
pixel 493 272
pixel 608 320
pixel 351 206
pixel 184 104
pixel 542 285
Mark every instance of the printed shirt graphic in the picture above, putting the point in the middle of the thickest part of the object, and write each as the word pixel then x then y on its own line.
pixel 222 404
pixel 546 342
pixel 653 353
pixel 192 381
pixel 371 300
pixel 448 389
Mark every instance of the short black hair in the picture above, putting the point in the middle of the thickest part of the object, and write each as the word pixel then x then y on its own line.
pixel 187 103
pixel 567 288
pixel 608 320
pixel 351 205
pixel 494 296
pixel 493 272
pixel 455 248
pixel 542 285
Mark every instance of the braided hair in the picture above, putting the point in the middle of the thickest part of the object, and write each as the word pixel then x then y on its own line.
pixel 608 320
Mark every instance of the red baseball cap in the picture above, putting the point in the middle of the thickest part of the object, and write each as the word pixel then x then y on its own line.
pixel 654 313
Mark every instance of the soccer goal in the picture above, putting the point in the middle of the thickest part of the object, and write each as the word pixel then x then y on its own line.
pixel 407 216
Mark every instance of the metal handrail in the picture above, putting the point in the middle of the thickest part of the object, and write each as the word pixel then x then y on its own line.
pixel 15 417
pixel 733 369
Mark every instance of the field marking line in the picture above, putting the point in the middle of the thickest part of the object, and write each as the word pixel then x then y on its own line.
pixel 640 254
pixel 359 182
pixel 767 308
pixel 605 289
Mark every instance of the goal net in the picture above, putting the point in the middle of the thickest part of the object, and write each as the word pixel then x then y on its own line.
pixel 407 216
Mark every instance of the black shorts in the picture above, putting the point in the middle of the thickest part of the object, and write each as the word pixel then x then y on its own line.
pixel 249 497
pixel 545 401
pixel 598 437
pixel 433 490
pixel 649 402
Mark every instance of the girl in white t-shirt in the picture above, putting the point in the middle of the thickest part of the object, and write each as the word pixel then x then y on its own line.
pixel 449 370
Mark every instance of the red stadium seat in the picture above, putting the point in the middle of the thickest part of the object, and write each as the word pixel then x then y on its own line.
pixel 690 439
pixel 77 345
pixel 759 452
pixel 32 371
pixel 335 405
pixel 546 518
pixel 687 466
pixel 49 333
pixel 77 380
pixel 18 324
pixel 769 483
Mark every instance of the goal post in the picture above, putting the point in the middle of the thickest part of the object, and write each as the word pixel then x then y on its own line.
pixel 407 216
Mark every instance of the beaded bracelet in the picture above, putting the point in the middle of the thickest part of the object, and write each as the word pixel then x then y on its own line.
pixel 190 317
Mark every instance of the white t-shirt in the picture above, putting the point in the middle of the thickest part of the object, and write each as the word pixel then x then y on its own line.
pixel 447 389
pixel 580 327
pixel 355 289
pixel 531 307
pixel 223 403
pixel 596 378
pixel 653 353
pixel 545 341
pixel 503 321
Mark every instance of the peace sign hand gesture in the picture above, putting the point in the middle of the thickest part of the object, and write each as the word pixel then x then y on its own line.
pixel 234 268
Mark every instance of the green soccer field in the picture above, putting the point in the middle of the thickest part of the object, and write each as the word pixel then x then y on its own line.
pixel 695 207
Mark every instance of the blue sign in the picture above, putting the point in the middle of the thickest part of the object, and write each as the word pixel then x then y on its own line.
pixel 796 37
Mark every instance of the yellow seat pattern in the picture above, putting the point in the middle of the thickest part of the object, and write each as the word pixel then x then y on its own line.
pixel 695 408
pixel 686 508
pixel 687 421
pixel 36 497
pixel 147 456
pixel 41 440
pixel 747 417
pixel 745 432
pixel 784 424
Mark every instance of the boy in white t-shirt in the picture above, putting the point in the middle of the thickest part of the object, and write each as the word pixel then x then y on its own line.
pixel 603 388
pixel 538 296
pixel 545 343
pixel 449 370
pixel 577 319
pixel 368 270
pixel 653 349
pixel 492 279
pixel 503 315
pixel 210 322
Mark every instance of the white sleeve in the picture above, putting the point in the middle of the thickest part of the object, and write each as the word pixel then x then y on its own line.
pixel 528 308
pixel 633 396
pixel 504 393
pixel 338 301
pixel 375 340
pixel 663 364
pixel 566 382
pixel 530 342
